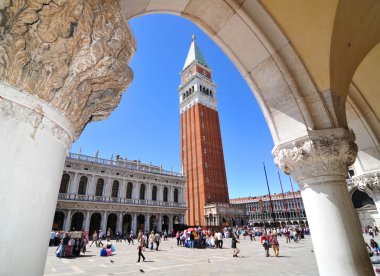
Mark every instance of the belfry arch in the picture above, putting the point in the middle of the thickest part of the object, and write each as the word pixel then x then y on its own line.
pixel 48 94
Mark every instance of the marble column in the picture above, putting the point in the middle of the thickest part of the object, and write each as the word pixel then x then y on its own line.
pixel 104 222
pixel 319 164
pixel 66 227
pixel 119 223
pixel 159 223
pixel 134 223
pixel 74 185
pixel 170 222
pixel 147 222
pixel 87 221
pixel 53 82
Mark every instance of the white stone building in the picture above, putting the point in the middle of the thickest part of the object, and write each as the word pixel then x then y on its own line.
pixel 119 195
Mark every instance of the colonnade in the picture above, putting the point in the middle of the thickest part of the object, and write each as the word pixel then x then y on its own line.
pixel 121 222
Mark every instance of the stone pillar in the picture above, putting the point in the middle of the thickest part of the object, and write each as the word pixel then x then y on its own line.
pixel 147 222
pixel 74 185
pixel 57 74
pixel 66 227
pixel 159 223
pixel 134 223
pixel 119 223
pixel 170 223
pixel 104 222
pixel 319 164
pixel 108 187
pixel 87 221
pixel 91 185
pixel 34 140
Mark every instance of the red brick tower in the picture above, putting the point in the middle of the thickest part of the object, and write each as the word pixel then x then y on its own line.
pixel 201 142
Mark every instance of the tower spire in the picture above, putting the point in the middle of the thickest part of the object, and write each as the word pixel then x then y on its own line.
pixel 194 54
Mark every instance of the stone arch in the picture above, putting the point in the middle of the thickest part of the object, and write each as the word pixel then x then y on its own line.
pixel 127 224
pixel 111 224
pixel 154 193
pixel 129 190
pixel 77 221
pixel 140 225
pixel 99 187
pixel 270 55
pixel 165 194
pixel 63 189
pixel 58 221
pixel 95 223
pixel 142 191
pixel 361 199
pixel 82 187
pixel 115 189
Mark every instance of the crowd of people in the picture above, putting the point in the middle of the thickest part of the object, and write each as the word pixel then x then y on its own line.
pixel 190 238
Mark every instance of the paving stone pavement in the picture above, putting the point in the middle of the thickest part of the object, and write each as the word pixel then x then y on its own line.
pixel 295 259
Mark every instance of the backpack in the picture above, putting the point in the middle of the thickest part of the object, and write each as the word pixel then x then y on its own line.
pixel 103 252
pixel 274 241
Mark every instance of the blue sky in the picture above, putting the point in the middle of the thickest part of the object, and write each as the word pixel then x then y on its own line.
pixel 145 125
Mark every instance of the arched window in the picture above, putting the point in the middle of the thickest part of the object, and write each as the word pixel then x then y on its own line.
pixel 165 194
pixel 129 190
pixel 154 193
pixel 212 96
pixel 99 187
pixel 142 191
pixel 200 87
pixel 82 185
pixel 115 189
pixel 64 183
pixel 175 195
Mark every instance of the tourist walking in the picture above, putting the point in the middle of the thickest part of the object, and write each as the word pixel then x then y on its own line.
pixel 94 239
pixel 118 237
pixel 130 238
pixel 275 245
pixel 236 250
pixel 165 235
pixel 265 243
pixel 375 246
pixel 151 240
pixel 178 237
pixel 141 244
pixel 157 239
pixel 100 238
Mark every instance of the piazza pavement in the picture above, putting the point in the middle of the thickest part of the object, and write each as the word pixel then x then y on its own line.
pixel 295 259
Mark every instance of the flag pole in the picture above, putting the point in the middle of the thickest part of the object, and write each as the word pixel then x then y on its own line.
pixel 283 198
pixel 295 202
pixel 270 197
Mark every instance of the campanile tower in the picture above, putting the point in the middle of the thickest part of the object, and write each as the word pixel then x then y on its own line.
pixel 201 142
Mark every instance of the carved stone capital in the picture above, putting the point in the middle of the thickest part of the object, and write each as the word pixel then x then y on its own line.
pixel 321 153
pixel 369 183
pixel 73 54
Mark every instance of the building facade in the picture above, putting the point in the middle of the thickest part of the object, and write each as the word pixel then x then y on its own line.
pixel 119 195
pixel 287 209
pixel 201 143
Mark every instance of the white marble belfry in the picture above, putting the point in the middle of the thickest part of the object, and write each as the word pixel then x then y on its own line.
pixel 34 142
pixel 319 163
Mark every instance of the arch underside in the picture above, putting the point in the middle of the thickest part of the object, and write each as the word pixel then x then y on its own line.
pixel 289 69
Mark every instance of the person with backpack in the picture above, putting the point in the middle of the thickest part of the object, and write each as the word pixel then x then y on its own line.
pixel 275 245
pixel 265 243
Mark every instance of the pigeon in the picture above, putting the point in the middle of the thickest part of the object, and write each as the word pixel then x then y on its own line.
pixel 142 271
pixel 111 261
pixel 312 251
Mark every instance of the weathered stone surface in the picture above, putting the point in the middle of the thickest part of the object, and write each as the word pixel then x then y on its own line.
pixel 72 54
